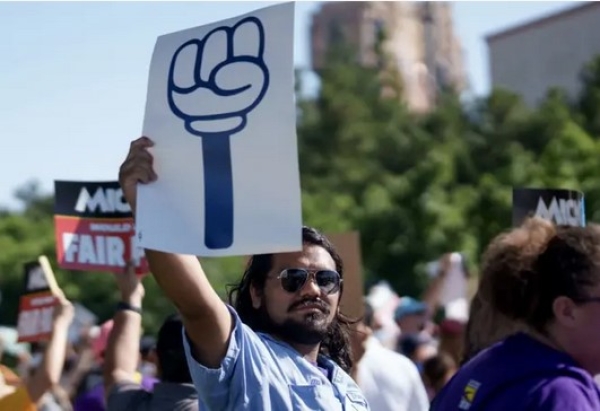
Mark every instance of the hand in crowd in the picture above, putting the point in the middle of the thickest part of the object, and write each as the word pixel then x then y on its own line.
pixel 130 286
pixel 137 167
pixel 64 310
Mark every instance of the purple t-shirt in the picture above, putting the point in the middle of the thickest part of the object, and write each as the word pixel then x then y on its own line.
pixel 93 400
pixel 519 373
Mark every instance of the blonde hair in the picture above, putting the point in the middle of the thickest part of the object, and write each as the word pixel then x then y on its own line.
pixel 506 258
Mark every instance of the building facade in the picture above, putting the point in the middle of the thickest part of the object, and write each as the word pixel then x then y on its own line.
pixel 551 51
pixel 420 40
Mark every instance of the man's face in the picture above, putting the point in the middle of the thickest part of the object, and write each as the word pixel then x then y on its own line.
pixel 579 330
pixel 303 316
pixel 412 323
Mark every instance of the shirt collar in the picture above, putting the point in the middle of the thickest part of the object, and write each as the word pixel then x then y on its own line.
pixel 322 360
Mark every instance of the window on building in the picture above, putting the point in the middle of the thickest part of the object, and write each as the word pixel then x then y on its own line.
pixel 336 34
pixel 379 35
pixel 379 26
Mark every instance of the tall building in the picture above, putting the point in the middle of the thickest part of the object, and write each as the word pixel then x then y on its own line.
pixel 420 39
pixel 531 58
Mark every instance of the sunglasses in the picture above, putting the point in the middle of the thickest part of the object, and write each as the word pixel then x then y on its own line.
pixel 293 279
pixel 586 300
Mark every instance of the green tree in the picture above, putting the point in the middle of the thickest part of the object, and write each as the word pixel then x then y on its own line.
pixel 415 186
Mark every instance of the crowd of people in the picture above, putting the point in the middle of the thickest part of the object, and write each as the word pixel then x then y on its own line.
pixel 280 341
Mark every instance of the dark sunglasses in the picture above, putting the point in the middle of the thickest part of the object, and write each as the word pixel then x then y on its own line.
pixel 586 300
pixel 293 279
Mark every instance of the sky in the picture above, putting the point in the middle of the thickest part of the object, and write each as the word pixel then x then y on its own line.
pixel 73 76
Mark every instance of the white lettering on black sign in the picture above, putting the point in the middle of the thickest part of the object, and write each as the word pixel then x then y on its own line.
pixel 107 200
pixel 561 212
pixel 36 279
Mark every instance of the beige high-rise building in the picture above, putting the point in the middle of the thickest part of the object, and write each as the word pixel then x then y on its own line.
pixel 420 40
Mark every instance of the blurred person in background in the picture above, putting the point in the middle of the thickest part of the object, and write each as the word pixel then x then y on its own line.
pixel 90 393
pixel 30 393
pixel 389 381
pixel 384 301
pixel 411 316
pixel 556 295
pixel 452 338
pixel 449 289
pixel 8 376
pixel 174 391
pixel 148 360
pixel 418 348
pixel 486 325
pixel 55 398
pixel 437 371
pixel 416 331
pixel 80 364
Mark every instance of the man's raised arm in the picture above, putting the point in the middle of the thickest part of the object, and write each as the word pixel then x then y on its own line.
pixel 206 319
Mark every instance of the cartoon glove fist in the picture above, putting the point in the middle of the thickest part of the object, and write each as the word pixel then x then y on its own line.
pixel 228 79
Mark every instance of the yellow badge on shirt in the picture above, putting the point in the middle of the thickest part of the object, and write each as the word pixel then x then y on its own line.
pixel 469 395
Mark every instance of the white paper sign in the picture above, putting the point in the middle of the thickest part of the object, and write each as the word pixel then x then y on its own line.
pixel 221 112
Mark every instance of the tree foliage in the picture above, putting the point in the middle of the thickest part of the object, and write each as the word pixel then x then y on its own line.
pixel 415 186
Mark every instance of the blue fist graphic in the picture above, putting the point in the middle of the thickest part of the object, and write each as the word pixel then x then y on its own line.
pixel 213 84
pixel 228 80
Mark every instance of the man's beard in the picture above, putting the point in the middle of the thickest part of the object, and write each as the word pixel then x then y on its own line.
pixel 312 329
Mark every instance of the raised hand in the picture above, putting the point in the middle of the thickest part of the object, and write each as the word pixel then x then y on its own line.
pixel 137 167
pixel 214 83
pixel 63 310
pixel 130 285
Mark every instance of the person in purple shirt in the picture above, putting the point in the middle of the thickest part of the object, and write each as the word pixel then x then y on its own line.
pixel 94 399
pixel 555 294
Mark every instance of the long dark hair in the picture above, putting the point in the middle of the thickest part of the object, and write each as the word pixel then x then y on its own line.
pixel 336 344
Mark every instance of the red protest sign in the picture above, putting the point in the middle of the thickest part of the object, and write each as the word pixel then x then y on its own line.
pixel 35 316
pixel 36 306
pixel 94 228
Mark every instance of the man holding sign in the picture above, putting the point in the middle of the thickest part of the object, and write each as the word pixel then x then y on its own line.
pixel 282 345
pixel 221 115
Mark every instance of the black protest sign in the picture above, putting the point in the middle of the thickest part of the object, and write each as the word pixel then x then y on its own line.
pixel 38 298
pixel 561 206
pixel 94 227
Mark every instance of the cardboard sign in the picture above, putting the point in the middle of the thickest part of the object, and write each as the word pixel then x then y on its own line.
pixel 221 112
pixel 453 295
pixel 94 228
pixel 36 306
pixel 348 247
pixel 562 207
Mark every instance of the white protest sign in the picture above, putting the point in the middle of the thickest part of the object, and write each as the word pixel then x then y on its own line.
pixel 221 112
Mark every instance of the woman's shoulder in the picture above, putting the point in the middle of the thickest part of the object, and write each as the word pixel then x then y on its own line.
pixel 570 391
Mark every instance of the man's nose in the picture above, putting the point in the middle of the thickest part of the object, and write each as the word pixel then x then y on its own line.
pixel 311 287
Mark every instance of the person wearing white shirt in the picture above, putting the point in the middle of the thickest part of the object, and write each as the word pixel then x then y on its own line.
pixel 388 380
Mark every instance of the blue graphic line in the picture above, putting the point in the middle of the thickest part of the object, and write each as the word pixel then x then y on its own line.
pixel 216 127
pixel 218 192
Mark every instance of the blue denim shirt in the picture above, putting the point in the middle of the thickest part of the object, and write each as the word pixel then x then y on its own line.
pixel 261 373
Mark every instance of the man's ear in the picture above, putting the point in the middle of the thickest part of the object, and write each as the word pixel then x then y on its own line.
pixel 565 311
pixel 256 296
